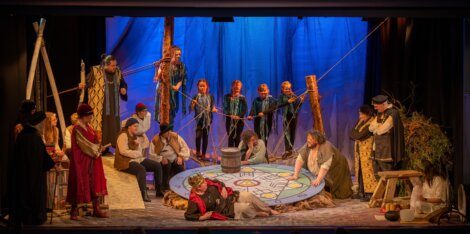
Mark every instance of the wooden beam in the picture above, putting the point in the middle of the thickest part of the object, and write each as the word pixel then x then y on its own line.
pixel 82 80
pixel 34 59
pixel 312 89
pixel 50 76
pixel 165 84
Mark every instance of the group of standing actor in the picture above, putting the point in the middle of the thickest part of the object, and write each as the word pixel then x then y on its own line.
pixel 379 143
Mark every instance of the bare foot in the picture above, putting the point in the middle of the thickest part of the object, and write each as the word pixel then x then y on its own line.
pixel 274 212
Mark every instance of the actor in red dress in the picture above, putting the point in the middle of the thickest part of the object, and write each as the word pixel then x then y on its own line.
pixel 86 181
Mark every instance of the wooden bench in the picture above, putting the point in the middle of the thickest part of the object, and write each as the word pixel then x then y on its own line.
pixel 386 187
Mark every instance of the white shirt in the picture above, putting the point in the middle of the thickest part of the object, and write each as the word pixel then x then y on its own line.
pixel 68 139
pixel 437 190
pixel 168 152
pixel 122 144
pixel 144 124
pixel 381 128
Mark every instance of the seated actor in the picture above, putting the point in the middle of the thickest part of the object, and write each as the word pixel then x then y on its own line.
pixel 431 195
pixel 253 149
pixel 169 149
pixel 144 117
pixel 210 199
pixel 130 159
pixel 325 161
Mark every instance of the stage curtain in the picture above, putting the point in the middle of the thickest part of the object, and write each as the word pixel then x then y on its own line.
pixel 253 50
pixel 425 55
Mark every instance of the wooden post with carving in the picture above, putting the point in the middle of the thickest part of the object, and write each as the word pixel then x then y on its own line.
pixel 314 95
pixel 165 83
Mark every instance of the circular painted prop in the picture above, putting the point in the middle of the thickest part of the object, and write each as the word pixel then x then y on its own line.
pixel 266 181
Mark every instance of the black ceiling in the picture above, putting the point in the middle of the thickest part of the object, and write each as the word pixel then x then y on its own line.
pixel 366 8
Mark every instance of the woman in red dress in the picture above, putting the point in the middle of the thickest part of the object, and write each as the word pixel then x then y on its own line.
pixel 86 181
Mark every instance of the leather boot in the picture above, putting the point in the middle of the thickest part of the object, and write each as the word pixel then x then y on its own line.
pixel 74 213
pixel 97 210
pixel 145 196
pixel 158 192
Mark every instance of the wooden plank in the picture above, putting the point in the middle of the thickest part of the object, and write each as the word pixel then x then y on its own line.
pixel 378 193
pixel 83 81
pixel 399 174
pixel 34 59
pixel 50 76
pixel 390 190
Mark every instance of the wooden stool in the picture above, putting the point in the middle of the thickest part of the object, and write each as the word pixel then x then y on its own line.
pixel 385 190
pixel 57 189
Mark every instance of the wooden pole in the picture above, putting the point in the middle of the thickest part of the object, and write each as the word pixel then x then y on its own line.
pixel 165 66
pixel 82 80
pixel 50 76
pixel 312 88
pixel 34 60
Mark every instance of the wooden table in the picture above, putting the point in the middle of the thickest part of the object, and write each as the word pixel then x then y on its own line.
pixel 386 187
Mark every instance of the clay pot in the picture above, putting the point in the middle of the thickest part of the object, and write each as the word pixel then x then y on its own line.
pixel 392 215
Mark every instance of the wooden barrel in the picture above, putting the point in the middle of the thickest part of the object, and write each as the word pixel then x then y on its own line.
pixel 231 160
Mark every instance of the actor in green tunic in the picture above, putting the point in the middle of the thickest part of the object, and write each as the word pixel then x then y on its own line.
pixel 326 162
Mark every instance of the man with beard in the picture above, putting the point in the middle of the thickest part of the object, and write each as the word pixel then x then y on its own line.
pixel 326 162
pixel 105 85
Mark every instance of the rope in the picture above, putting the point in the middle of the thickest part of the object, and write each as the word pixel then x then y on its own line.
pixel 354 48
pixel 139 69
pixel 214 150
pixel 189 122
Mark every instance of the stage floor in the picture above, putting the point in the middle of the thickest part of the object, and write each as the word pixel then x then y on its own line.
pixel 348 212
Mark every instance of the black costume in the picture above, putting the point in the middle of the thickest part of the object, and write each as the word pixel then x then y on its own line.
pixel 234 106
pixel 28 184
pixel 290 114
pixel 264 124
pixel 203 115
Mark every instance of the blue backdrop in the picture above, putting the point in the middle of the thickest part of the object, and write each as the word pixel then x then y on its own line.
pixel 253 50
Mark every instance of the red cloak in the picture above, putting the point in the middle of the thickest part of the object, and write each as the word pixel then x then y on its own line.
pixel 86 178
pixel 202 206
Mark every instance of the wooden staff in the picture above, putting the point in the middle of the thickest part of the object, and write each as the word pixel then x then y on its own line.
pixel 34 60
pixel 50 75
pixel 82 80
pixel 165 82
pixel 312 89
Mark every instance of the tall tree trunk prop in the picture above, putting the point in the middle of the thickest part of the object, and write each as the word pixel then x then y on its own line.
pixel 312 88
pixel 165 66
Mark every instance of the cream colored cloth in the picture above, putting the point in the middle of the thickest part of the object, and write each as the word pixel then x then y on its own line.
pixel 168 152
pixel 89 148
pixel 248 205
pixel 438 189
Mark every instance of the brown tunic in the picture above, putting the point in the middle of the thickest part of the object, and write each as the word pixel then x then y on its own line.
pixel 338 178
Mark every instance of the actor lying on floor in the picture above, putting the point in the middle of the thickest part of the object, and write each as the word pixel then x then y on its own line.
pixel 210 199
pixel 325 161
